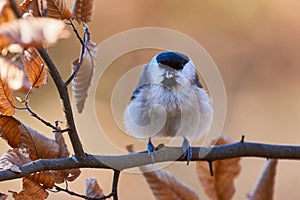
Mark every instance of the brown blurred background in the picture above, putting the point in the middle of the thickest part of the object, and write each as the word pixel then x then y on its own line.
pixel 255 46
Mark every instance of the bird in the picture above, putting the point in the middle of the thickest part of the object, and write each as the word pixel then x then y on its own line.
pixel 169 101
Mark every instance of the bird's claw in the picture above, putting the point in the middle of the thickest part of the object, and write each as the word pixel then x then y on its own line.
pixel 187 149
pixel 151 149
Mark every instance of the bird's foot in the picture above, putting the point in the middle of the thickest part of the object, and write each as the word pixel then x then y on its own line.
pixel 151 149
pixel 187 149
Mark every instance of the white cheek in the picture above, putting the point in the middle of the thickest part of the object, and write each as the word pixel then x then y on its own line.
pixel 156 73
pixel 187 74
pixel 189 71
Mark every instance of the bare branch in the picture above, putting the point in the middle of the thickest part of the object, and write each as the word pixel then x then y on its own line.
pixel 114 191
pixel 33 114
pixel 64 95
pixel 59 189
pixel 83 49
pixel 240 149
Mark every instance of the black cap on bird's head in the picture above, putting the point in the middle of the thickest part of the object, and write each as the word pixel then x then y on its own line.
pixel 174 60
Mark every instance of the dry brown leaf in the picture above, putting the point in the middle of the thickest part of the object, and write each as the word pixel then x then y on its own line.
pixel 264 189
pixel 165 186
pixel 31 191
pixel 6 13
pixel 82 10
pixel 44 178
pixel 92 188
pixel 72 174
pixel 20 135
pixel 62 175
pixel 35 68
pixel 7 103
pixel 39 145
pixel 3 196
pixel 63 148
pixel 14 158
pixel 69 174
pixel 83 78
pixel 11 73
pixel 58 9
pixel 9 130
pixel 32 32
pixel 221 185
pixel 36 7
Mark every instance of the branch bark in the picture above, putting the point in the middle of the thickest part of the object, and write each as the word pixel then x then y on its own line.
pixel 165 154
pixel 63 93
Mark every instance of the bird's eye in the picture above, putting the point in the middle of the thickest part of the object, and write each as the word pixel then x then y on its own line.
pixel 174 60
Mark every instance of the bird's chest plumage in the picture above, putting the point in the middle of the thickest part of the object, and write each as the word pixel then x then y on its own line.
pixel 166 107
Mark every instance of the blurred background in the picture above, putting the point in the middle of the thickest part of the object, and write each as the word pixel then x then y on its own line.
pixel 255 45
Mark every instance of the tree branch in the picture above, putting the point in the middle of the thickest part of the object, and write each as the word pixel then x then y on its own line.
pixel 63 93
pixel 114 191
pixel 239 149
pixel 59 189
pixel 83 49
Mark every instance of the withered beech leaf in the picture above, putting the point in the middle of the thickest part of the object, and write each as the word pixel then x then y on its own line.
pixel 58 9
pixel 11 73
pixel 19 135
pixel 38 144
pixel 264 188
pixel 92 188
pixel 44 178
pixel 36 7
pixel 69 174
pixel 63 148
pixel 164 185
pixel 221 185
pixel 83 78
pixel 9 130
pixel 35 67
pixel 61 176
pixel 31 191
pixel 82 10
pixel 14 158
pixel 32 32
pixel 7 103
pixel 27 5
pixel 6 13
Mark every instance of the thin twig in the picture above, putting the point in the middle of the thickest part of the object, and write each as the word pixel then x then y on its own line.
pixel 83 48
pixel 114 191
pixel 242 139
pixel 59 189
pixel 211 169
pixel 33 114
pixel 76 32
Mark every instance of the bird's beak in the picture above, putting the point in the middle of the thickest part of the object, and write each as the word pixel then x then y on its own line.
pixel 169 74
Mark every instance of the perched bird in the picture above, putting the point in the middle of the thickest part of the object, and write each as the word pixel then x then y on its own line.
pixel 169 101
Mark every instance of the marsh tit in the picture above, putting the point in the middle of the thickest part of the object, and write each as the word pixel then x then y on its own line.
pixel 169 101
